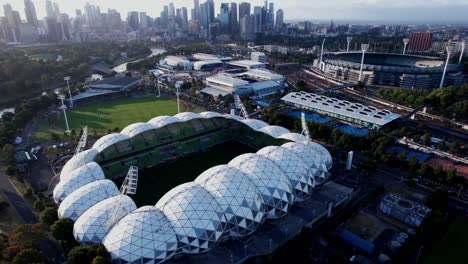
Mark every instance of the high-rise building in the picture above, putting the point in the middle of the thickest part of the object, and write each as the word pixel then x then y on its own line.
pixel 207 13
pixel 271 16
pixel 258 19
pixel 133 20
pixel 279 19
pixel 244 9
pixel 224 18
pixel 184 18
pixel 50 9
pixel 65 27
pixel 420 41
pixel 30 12
pixel 13 22
pixel 233 20
pixel 196 10
pixel 171 14
pixel 53 32
pixel 143 20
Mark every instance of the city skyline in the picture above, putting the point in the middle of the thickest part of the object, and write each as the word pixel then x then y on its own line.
pixel 355 10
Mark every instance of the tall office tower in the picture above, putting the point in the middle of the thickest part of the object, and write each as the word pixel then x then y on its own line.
pixel 224 18
pixel 49 9
pixel 210 10
pixel 420 41
pixel 30 12
pixel 207 13
pixel 65 26
pixel 196 10
pixel 164 16
pixel 258 12
pixel 13 22
pixel 279 19
pixel 184 18
pixel 133 20
pixel 271 16
pixel 244 9
pixel 53 32
pixel 56 10
pixel 8 33
pixel 143 20
pixel 171 14
pixel 233 20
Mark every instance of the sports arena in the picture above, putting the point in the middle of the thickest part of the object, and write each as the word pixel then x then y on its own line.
pixel 230 200
pixel 397 70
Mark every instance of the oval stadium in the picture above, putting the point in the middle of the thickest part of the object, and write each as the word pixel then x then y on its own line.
pixel 395 70
pixel 229 200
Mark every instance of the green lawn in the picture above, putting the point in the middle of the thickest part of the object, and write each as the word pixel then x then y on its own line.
pixel 452 248
pixel 118 113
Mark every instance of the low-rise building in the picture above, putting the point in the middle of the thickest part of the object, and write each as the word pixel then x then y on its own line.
pixel 404 210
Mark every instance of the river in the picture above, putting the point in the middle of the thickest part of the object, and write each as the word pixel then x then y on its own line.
pixel 123 67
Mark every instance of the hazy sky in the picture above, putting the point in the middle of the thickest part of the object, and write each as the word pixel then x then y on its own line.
pixel 391 10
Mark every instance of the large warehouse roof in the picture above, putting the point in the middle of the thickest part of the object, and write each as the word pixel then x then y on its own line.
pixel 227 200
pixel 352 110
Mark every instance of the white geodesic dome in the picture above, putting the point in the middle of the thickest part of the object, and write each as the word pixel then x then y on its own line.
pixel 294 167
pixel 234 117
pixel 195 215
pixel 143 236
pixel 311 156
pixel 254 124
pixel 187 116
pixel 161 121
pixel 77 178
pixel 209 114
pixel 272 183
pixel 136 129
pixel 85 197
pixel 109 140
pixel 237 196
pixel 77 161
pixel 93 225
pixel 328 160
pixel 274 131
pixel 295 137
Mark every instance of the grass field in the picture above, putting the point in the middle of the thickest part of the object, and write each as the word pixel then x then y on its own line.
pixel 452 248
pixel 118 113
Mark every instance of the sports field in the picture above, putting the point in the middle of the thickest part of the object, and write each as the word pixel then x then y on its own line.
pixel 452 248
pixel 118 113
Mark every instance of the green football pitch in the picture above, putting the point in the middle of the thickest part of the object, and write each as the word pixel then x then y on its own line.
pixel 118 113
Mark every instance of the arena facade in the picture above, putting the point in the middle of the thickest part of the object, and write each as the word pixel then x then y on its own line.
pixel 396 70
pixel 230 200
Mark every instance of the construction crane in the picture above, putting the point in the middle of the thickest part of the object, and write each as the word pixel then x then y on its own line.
pixel 129 185
pixel 305 127
pixel 240 105
pixel 82 143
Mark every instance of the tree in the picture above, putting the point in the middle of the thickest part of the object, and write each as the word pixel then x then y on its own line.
pixel 99 260
pixel 62 229
pixel 86 254
pixel 26 236
pixel 8 153
pixel 49 216
pixel 441 145
pixel 301 85
pixel 38 205
pixel 28 256
pixel 426 139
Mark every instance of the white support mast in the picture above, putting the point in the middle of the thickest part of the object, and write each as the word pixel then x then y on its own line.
pixel 364 48
pixel 449 52
pixel 405 42
pixel 305 127
pixel 67 79
pixel 63 107
pixel 178 99
pixel 82 143
pixel 348 39
pixel 129 186
pixel 321 52
pixel 463 44
pixel 240 105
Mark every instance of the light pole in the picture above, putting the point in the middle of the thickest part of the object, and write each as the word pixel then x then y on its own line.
pixel 178 100
pixel 321 53
pixel 61 97
pixel 449 52
pixel 462 51
pixel 364 48
pixel 67 79
pixel 348 39
pixel 405 42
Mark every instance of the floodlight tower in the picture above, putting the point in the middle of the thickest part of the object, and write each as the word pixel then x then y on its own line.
pixel 67 79
pixel 462 51
pixel 240 105
pixel 405 42
pixel 348 39
pixel 61 97
pixel 178 100
pixel 364 48
pixel 305 127
pixel 449 52
pixel 321 52
pixel 82 143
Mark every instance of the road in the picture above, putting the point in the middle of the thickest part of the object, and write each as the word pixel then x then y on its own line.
pixel 16 200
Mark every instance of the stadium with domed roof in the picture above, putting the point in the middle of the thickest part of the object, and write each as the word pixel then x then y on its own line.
pixel 227 200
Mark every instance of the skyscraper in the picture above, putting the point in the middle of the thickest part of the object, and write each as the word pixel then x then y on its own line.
pixel 184 18
pixel 171 12
pixel 133 20
pixel 258 19
pixel 244 9
pixel 49 9
pixel 143 20
pixel 196 10
pixel 30 11
pixel 233 21
pixel 224 18
pixel 279 19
